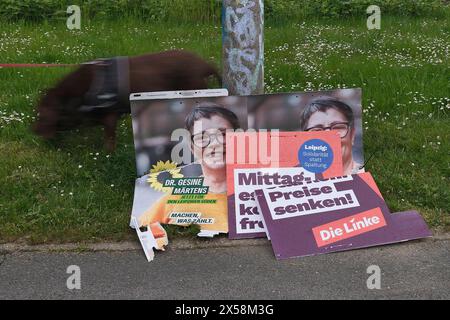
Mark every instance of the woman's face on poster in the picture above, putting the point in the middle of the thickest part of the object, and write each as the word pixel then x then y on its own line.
pixel 333 118
pixel 208 141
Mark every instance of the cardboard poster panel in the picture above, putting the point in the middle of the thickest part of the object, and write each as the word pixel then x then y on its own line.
pixel 339 110
pixel 253 162
pixel 331 215
pixel 180 152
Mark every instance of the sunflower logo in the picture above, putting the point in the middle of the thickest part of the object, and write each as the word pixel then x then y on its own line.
pixel 162 171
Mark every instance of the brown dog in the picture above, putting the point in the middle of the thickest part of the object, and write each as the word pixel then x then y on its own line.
pixel 64 106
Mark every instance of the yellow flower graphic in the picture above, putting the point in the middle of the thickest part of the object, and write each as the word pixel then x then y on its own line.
pixel 162 171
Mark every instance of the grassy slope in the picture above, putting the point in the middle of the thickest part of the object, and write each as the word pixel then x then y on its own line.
pixel 68 192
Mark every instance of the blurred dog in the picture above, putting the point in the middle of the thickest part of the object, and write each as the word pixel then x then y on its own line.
pixel 98 92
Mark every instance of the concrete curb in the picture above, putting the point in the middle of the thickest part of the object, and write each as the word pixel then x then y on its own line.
pixel 179 244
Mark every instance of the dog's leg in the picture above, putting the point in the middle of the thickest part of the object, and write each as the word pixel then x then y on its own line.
pixel 110 124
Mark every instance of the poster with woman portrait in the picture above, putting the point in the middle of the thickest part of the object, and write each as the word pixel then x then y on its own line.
pixel 339 110
pixel 180 157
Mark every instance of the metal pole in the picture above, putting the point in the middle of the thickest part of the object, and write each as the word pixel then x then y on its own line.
pixel 243 46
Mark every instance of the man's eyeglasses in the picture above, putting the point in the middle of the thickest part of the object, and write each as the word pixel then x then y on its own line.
pixel 204 139
pixel 342 128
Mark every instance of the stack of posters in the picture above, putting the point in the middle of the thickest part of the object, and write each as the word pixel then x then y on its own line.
pixel 287 166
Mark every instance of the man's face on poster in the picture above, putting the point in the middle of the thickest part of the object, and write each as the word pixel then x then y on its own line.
pixel 208 141
pixel 333 119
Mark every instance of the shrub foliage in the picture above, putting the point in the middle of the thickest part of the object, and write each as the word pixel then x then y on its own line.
pixel 198 11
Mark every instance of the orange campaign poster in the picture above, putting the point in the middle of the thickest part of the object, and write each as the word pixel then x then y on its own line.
pixel 253 162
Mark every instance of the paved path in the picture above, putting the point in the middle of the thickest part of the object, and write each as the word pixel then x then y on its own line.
pixel 414 270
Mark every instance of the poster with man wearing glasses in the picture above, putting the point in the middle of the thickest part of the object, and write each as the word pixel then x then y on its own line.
pixel 185 181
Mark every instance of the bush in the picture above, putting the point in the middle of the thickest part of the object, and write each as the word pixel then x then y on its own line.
pixel 209 10
pixel 27 9
pixel 343 8
pixel 152 10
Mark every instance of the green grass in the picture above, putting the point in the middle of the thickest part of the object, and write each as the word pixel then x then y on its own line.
pixel 65 191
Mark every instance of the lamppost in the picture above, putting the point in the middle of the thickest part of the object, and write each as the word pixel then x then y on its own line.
pixel 243 46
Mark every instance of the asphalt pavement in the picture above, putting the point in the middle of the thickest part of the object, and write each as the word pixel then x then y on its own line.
pixel 413 270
